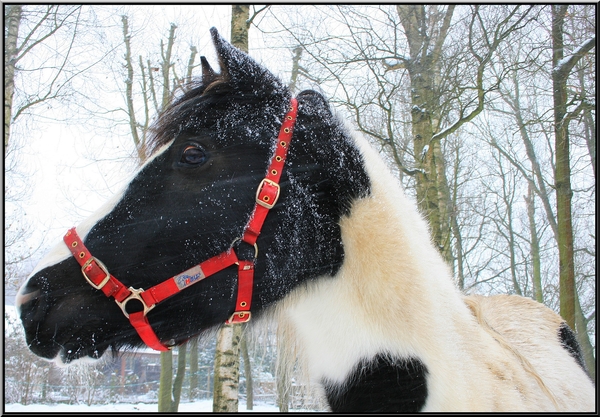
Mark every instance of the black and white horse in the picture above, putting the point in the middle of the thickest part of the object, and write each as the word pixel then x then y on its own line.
pixel 252 207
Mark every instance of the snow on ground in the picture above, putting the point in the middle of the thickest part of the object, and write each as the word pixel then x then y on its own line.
pixel 194 407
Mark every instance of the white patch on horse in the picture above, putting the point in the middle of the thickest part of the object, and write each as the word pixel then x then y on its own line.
pixel 395 295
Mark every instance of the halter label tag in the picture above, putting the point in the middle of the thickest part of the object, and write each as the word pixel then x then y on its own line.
pixel 189 277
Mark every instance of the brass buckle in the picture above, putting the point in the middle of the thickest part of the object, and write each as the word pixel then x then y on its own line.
pixel 244 317
pixel 268 205
pixel 135 295
pixel 102 267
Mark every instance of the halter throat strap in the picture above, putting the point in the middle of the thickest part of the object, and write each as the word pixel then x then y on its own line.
pixel 267 194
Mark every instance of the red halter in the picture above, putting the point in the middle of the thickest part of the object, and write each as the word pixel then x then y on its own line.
pixel 97 274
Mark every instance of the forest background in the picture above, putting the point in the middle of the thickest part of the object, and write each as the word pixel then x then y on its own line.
pixel 486 113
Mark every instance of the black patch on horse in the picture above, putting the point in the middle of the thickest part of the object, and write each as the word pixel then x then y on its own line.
pixel 381 385
pixel 569 341
pixel 182 209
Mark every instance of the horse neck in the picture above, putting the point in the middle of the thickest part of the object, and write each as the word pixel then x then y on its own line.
pixel 387 296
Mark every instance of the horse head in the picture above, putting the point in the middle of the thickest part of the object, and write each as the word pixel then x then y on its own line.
pixel 191 201
pixel 253 199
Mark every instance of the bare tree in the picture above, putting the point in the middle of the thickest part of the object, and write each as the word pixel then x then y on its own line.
pixel 149 88
pixel 30 38
pixel 562 67
pixel 11 32
pixel 133 125
pixel 528 94
pixel 434 57
pixel 41 43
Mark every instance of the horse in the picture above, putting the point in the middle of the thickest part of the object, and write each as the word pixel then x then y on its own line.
pixel 256 205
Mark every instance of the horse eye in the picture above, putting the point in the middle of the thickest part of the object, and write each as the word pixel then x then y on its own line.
pixel 193 155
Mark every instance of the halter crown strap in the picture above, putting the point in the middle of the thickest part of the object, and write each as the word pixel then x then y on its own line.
pixel 267 194
pixel 268 190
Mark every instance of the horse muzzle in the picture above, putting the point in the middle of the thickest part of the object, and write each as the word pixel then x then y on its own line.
pixel 55 326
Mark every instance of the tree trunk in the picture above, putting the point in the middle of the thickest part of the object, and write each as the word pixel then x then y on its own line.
pixel 169 391
pixel 227 363
pixel 423 69
pixel 455 228
pixel 562 177
pixel 190 67
pixel 590 136
pixel 166 65
pixel 295 69
pixel 282 373
pixel 283 393
pixel 511 239
pixel 583 339
pixel 444 203
pixel 515 103
pixel 178 382
pixel 194 383
pixel 166 382
pixel 247 373
pixel 11 25
pixel 133 125
pixel 536 271
pixel 240 23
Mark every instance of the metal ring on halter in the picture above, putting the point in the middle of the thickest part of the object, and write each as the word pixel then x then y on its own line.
pixel 135 295
pixel 255 247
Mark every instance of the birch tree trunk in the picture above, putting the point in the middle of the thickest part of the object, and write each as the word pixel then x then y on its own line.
pixel 12 22
pixel 227 361
pixel 227 358
pixel 166 65
pixel 295 68
pixel 240 16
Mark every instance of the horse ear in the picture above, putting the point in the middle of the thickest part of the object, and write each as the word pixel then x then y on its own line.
pixel 314 104
pixel 208 74
pixel 241 71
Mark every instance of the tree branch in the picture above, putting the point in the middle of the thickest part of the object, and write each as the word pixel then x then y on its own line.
pixel 565 65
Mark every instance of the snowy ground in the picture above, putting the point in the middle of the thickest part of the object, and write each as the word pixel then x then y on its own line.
pixel 198 406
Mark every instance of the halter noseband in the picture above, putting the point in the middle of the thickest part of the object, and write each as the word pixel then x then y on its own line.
pixel 97 275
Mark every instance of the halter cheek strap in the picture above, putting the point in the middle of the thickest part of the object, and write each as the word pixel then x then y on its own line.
pixel 97 274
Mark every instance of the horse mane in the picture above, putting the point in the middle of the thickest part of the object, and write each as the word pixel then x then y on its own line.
pixel 475 307
pixel 176 117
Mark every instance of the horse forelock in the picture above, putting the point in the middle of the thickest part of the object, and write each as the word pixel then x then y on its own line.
pixel 240 82
pixel 206 106
pixel 181 112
